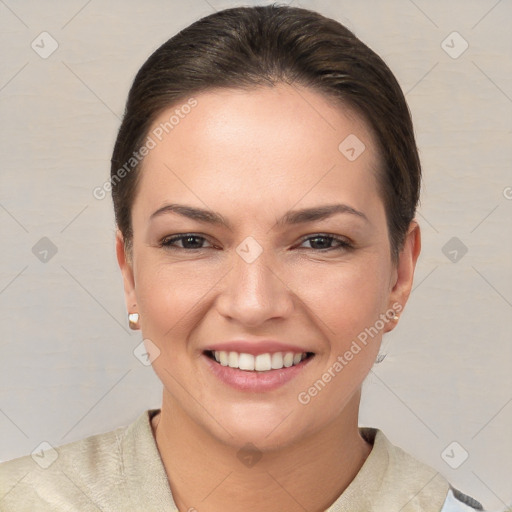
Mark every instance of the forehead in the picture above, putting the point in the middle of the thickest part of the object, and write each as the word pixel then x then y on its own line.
pixel 280 143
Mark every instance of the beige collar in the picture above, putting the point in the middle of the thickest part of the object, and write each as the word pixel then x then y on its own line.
pixel 389 480
pixel 392 480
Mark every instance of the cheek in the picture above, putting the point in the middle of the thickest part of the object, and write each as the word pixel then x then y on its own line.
pixel 348 302
pixel 348 298
pixel 169 294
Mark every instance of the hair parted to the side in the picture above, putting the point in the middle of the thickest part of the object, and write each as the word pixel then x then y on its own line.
pixel 246 47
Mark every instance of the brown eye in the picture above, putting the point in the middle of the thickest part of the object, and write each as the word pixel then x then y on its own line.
pixel 324 242
pixel 189 241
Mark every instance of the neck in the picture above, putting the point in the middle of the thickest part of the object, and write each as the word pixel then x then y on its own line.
pixel 206 474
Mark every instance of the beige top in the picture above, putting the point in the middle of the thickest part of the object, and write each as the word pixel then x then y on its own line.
pixel 122 470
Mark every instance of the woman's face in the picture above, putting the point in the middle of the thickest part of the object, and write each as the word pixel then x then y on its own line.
pixel 255 279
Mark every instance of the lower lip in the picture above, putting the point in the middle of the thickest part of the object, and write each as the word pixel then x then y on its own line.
pixel 255 381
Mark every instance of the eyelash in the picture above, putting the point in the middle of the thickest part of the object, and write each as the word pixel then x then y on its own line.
pixel 166 242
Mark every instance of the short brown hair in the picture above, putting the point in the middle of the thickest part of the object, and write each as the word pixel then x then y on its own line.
pixel 245 47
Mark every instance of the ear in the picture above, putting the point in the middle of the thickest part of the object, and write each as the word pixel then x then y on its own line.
pixel 126 266
pixel 404 272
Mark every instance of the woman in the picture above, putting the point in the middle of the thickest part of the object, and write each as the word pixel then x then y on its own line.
pixel 265 180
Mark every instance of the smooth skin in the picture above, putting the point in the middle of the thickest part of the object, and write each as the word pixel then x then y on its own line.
pixel 251 156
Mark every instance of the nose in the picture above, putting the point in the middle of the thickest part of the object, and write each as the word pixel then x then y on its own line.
pixel 255 292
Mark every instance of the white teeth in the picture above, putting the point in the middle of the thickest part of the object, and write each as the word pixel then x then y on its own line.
pixel 262 363
pixel 223 358
pixel 246 362
pixel 259 363
pixel 233 359
pixel 277 360
pixel 288 359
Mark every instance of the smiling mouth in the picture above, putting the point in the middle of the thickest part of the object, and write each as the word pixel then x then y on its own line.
pixel 260 363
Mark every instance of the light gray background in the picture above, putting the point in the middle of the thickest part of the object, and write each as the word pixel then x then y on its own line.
pixel 67 369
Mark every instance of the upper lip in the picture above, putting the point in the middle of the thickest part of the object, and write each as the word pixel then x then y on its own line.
pixel 254 347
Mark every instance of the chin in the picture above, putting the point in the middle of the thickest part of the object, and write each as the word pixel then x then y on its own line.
pixel 268 428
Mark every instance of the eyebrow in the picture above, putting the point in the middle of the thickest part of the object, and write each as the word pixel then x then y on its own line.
pixel 290 217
